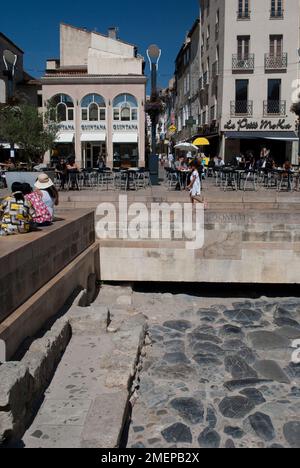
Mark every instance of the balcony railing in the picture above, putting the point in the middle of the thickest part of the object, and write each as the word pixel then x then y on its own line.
pixel 241 108
pixel 245 63
pixel 244 15
pixel 274 108
pixel 276 62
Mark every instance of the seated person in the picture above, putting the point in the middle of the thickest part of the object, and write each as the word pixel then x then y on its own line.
pixel 42 216
pixel 16 213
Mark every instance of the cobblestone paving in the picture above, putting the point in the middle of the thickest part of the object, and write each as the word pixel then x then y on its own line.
pixel 220 376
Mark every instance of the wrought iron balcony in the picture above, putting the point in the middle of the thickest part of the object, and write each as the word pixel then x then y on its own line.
pixel 274 108
pixel 244 15
pixel 241 108
pixel 276 62
pixel 243 64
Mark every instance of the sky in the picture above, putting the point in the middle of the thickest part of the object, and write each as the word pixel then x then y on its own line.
pixel 34 26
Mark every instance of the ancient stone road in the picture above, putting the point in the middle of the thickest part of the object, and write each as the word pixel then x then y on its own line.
pixel 219 375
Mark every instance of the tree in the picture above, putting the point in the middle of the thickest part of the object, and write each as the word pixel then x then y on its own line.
pixel 25 126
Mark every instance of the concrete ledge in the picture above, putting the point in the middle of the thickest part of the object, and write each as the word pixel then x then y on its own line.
pixel 28 319
pixel 22 384
pixel 29 261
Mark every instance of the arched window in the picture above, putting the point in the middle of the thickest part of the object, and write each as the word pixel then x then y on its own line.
pixel 93 108
pixel 125 108
pixel 62 108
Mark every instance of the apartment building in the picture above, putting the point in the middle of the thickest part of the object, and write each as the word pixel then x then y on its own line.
pixel 187 106
pixel 248 67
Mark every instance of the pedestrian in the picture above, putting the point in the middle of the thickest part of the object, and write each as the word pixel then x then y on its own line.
pixel 195 183
pixel 49 193
pixel 42 216
pixel 16 213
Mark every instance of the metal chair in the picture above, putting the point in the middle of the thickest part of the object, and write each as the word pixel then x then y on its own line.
pixel 248 179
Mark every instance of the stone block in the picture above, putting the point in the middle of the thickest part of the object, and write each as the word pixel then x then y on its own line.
pixel 104 423
pixel 16 390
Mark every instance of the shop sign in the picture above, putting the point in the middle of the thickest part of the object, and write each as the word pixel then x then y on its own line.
pixel 93 127
pixel 172 129
pixel 125 128
pixel 247 124
pixel 66 127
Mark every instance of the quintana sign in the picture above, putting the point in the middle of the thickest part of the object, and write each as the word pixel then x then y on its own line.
pixel 2 91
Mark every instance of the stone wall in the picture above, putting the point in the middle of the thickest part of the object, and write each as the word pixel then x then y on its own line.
pixel 240 247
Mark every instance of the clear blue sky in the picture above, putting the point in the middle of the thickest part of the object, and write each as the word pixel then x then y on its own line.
pixel 34 26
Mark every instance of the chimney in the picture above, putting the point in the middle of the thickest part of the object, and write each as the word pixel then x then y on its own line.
pixel 113 33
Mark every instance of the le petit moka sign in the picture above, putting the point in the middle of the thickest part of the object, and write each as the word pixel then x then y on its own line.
pixel 247 124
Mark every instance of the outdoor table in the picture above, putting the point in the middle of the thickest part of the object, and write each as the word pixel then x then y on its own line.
pixel 183 177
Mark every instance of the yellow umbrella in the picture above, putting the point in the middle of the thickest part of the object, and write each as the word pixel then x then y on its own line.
pixel 201 142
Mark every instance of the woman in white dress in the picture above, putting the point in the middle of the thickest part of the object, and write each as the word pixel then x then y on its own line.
pixel 195 184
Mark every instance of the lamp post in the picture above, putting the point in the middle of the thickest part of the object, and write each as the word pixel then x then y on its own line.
pixel 10 61
pixel 154 109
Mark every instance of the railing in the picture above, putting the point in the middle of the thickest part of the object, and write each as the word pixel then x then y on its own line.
pixel 276 62
pixel 241 108
pixel 244 15
pixel 274 108
pixel 245 63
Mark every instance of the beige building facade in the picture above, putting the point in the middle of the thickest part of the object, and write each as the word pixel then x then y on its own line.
pixel 248 70
pixel 98 91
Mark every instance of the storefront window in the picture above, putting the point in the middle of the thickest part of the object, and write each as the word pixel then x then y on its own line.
pixel 93 108
pixel 125 108
pixel 62 108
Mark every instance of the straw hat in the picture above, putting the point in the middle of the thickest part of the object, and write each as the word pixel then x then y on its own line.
pixel 43 182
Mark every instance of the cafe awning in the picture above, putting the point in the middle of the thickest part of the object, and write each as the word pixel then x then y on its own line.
pixel 279 136
pixel 65 138
pixel 125 138
pixel 86 137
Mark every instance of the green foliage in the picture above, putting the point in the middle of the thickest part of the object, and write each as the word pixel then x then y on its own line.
pixel 26 127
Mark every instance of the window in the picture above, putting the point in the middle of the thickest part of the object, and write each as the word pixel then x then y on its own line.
pixel 241 96
pixel 93 108
pixel 276 9
pixel 243 9
pixel 274 105
pixel 243 47
pixel 125 108
pixel 62 108
pixel 276 46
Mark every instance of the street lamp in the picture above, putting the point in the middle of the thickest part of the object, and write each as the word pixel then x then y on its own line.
pixel 154 109
pixel 10 61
